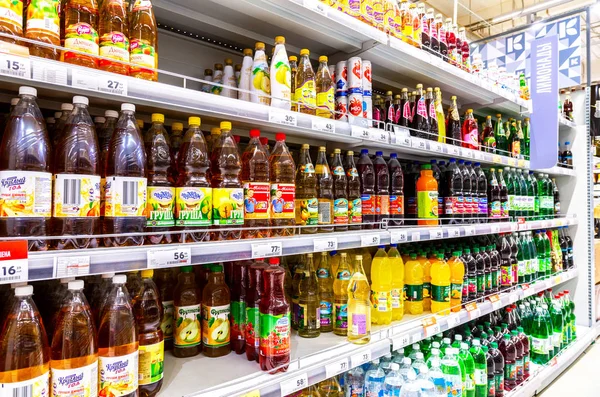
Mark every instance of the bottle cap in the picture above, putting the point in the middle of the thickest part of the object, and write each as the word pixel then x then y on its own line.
pixel 14 101
pixel 225 125
pixel 280 137
pixel 293 58
pixel 218 66
pixel 464 346
pixel 147 273
pixel 379 153
pixel 177 126
pixel 514 332
pixel 186 269
pixel 24 291
pixel 323 58
pixel 259 45
pixel 128 106
pixel 358 257
pixel 337 151
pixel 66 106
pixel 99 119
pixel 248 52
pixel 322 149
pixel 406 360
pixel 56 114
pixel 254 133
pixel 305 146
pixel 304 51
pixel 364 151
pixel 75 285
pixel 194 120
pixel 567 143
pixel 108 275
pixel 274 261
pixel 119 279
pixel 458 337
pixel 426 167
pixel 395 366
pixel 393 155
pixel 228 61
pixel 279 40
pixel 476 342
pixel 111 113
pixel 158 118
pixel 81 100
pixel 27 91
pixel 419 355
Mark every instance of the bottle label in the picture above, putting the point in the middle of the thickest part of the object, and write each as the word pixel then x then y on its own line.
pixel 426 290
pixel 468 206
pixel 160 206
pixel 411 206
pixel 440 293
pixel 143 54
pixel 252 330
pixel 81 37
pixel 516 148
pixel 359 324
pixel 451 205
pixel 506 273
pixel 499 378
pixel 283 196
pixel 300 315
pixel 406 113
pixel 481 283
pixel 118 373
pixel 495 209
pixel 25 194
pixel 43 20
pixel 381 301
pixel 397 298
pixel 432 114
pixel 480 377
pixel 228 206
pixel 472 280
pixel 483 206
pixel 547 202
pixel 491 385
pixel 422 108
pixel 215 325
pixel 74 382
pixel 382 205
pixel 36 387
pixel 76 196
pixel 187 326
pixel 536 205
pixel 396 205
pixel 325 103
pixel 475 209
pixel 256 200
pixel 325 211
pixel 166 325
pixel 141 5
pixel 454 385
pixel 456 291
pixel 526 364
pixel 114 45
pixel 539 345
pixel 522 268
pixel 340 211
pixel 414 293
pixel 510 372
pixel 427 204
pixel 305 94
pixel 11 13
pixel 369 204
pixel 488 281
pixel 355 210
pixel 151 364
pixel 325 312
pixel 125 196
pixel 307 211
pixel 193 206
pixel 237 320
pixel 341 316
pixel 504 209
pixel 275 333
pixel 519 365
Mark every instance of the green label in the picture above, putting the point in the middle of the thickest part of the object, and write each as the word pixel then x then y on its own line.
pixel 456 291
pixel 341 316
pixel 166 325
pixel 495 277
pixel 414 293
pixel 252 330
pixel 427 204
pixel 480 283
pixel 510 372
pixel 488 281
pixel 237 318
pixel 275 332
pixel 160 206
pixel 440 293
pixel 426 290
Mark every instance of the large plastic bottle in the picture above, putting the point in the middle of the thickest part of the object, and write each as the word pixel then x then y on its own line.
pixel 427 197
pixel 118 342
pixel 26 188
pixel 257 188
pixel 374 379
pixel 366 172
pixel 80 23
pixel 229 81
pixel 397 265
pixel 453 372
pixel 480 363
pixel 114 39
pixel 281 76
pixel 165 283
pixel 457 275
pixel 216 307
pixel 354 192
pixel 325 284
pixel 440 286
pixel 305 95
pixel 340 296
pixel 510 369
pixel 283 188
pixel 143 41
pixel 43 25
pixel 309 307
pixel 426 263
pixel 396 200
pixel 382 187
pixel 260 85
pixel 393 381
pixel 413 281
pixel 187 329
pixel 359 308
pixel 245 82
pixel 340 192
pixel 324 192
pixel 381 288
pixel 125 196
pixel 306 203
pixel 12 21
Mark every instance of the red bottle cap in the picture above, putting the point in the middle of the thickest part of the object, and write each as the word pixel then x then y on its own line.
pixel 254 133
pixel 274 261
pixel 280 136
pixel 236 138
pixel 264 140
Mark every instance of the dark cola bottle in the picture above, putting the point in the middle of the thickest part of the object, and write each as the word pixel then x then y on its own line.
pixel 421 119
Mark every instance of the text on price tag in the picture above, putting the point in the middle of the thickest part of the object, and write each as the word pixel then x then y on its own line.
pixel 112 84
pixel 360 358
pixel 436 234
pixel 359 132
pixel 469 231
pixel 14 60
pixel 369 239
pixel 379 135
pixel 453 232
pixel 496 302
pixel 472 310
pixel 323 125
pixel 336 367
pixel 398 236
pixel 436 147
pixel 454 150
pixel 71 266
pixel 325 244
pixel 181 256
pixel 14 266
pixel 419 144
pixel 294 384
pixel 266 250
pixel 283 117
pixel 399 342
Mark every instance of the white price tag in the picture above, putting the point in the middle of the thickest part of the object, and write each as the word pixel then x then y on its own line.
pixel 14 266
pixel 294 384
pixel 495 229
pixel 415 236
pixel 283 117
pixel 379 135
pixel 71 266
pixel 497 305
pixel 323 125
pixel 513 297
pixel 474 314
pixel 180 256
pixel 453 232
pixel 369 240
pixel 399 342
pixel 414 338
pixel 336 367
pixel 454 150
pixel 469 231
pixel 419 144
pixel 15 66
pixel 360 358
pixel 436 234
pixel 432 330
pixel 316 6
pixel 393 139
pixel 453 320
pixel 84 79
pixel 266 250
pixel 468 153
pixel 49 72
pixel 325 244
pixel 435 147
pixel 359 132
pixel 398 236
pixel 112 84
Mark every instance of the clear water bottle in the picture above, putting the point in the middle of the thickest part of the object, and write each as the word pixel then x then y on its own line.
pixel 354 381
pixel 398 356
pixel 411 388
pixel 416 348
pixel 452 372
pixel 394 381
pixel 406 368
pixel 385 363
pixel 426 383
pixel 438 378
pixel 435 355
pixel 375 379
pixel 418 363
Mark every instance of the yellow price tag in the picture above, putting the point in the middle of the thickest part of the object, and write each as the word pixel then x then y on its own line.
pixel 521 163
pixel 253 393
pixel 497 159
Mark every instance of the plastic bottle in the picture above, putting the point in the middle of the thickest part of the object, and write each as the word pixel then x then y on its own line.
pixel 453 372
pixel 229 82
pixel 260 87
pixel 359 308
pixel 325 286
pixel 245 82
pixel 498 359
pixel 43 25
pixel 340 296
pixel 325 90
pixel 216 307
pixel 470 131
pixel 306 203
pixel 324 192
pixel 340 192
pixel 354 382
pixel 427 195
pixel 143 41
pixel 165 283
pixel 382 187
pixel 12 23
pixel 374 380
pixel 366 172
pixel 467 366
pixel 440 286
pixel 283 189
pixel 509 353
pixel 396 197
pixel 187 300
pixel 281 76
pixel 114 40
pixel 257 188
pixel 480 366
pixel 422 257
pixel 413 279
pixel 397 286
pixel 354 192
pixel 457 275
pixel 304 87
pixel 420 120
pixel 252 300
pixel 309 308
pixel 237 316
pixel 381 288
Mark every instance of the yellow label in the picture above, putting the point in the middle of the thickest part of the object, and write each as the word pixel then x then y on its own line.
pixel 305 94
pixel 102 196
pixel 43 20
pixel 161 202
pixel 193 206
pixel 215 325
pixel 187 326
pixel 76 196
pixel 228 206
pixel 125 196
pixel 25 194
pixel 151 364
pixel 11 12
pixel 325 103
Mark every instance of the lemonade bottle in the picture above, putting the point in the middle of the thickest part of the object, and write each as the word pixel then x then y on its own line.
pixel 340 297
pixel 309 316
pixel 148 312
pixel 397 266
pixel 43 25
pixel 260 87
pixel 74 353
pixel 281 76
pixel 359 306
pixel 212 138
pixel 325 90
pixel 216 307
pixel 125 196
pixel 340 192
pixel 104 136
pixel 245 81
pixel 229 82
pixel 76 208
pixel 11 21
pixel 228 190
pixel 66 108
pixel 187 299
pixel 26 181
pixel 161 193
pixel 294 70
pixel 440 286
pixel 304 93
pixel 413 283
pixel 427 197
pixel 381 288
pixel 23 338
pixel 114 41
pixel 324 192
pixel 193 194
pixel 176 137
pixel 118 343
pixel 307 205
pixel 97 299
pixel 457 274
pixel 283 188
pixel 257 188
pixel 143 41
pixel 217 80
pixel 80 23
pixel 325 281
pixel 354 196
pixel 426 264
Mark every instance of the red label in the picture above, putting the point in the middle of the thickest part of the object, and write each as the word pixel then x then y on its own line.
pixel 368 204
pixel 383 205
pixel 355 105
pixel 432 111
pixel 396 205
pixel 390 115
pixel 442 35
pixel 367 73
pixel 425 25
pixel 256 200
pixel 406 115
pixel 422 108
pixel 11 250
pixel 283 197
pixel 454 206
pixel 398 115
pixel 434 32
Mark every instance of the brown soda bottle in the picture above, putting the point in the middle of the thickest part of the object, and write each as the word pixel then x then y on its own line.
pixel 366 172
pixel 257 188
pixel 306 203
pixel 26 181
pixel 216 306
pixel 253 297
pixel 396 191
pixel 228 190
pixel 390 110
pixel 193 194
pixel 283 188
pixel 413 109
pixel 382 187
pixel 324 192
pixel 187 341
pixel 237 317
pixel 421 120
pixel 354 195
pixel 405 109
pixel 143 41
pixel 397 108
pixel 340 192
pixel 165 283
pixel 453 127
pixel 104 135
pixel 114 36
pixel 66 108
pixel 433 32
pixel 176 137
pixel 433 125
pixel 80 32
pixel 76 208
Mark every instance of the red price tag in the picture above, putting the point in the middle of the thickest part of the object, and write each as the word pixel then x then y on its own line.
pixel 14 266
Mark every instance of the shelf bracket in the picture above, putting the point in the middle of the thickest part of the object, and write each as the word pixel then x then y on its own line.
pixel 342 56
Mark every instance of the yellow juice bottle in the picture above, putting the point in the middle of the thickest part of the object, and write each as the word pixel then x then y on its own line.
pixel 413 282
pixel 367 258
pixel 426 280
pixel 340 297
pixel 381 291
pixel 359 307
pixel 440 286
pixel 397 265
pixel 457 273
pixel 334 261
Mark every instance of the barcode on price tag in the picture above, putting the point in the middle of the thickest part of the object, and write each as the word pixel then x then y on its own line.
pixel 112 84
pixel 369 240
pixel 325 244
pixel 453 232
pixel 50 72
pixel 336 367
pixel 71 266
pixel 359 132
pixel 181 256
pixel 15 65
pixel 266 250
pixel 294 384
pixel 436 234
pixel 323 125
pixel 415 236
pixel 283 117
pixel 360 358
pixel 14 266
pixel 398 236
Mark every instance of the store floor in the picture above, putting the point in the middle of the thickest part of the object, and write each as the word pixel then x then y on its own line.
pixel 581 379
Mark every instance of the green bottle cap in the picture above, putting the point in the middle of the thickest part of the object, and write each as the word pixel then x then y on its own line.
pixel 186 269
pixel 506 336
pixel 520 329
pixel 494 345
pixel 426 167
pixel 485 348
pixel 514 332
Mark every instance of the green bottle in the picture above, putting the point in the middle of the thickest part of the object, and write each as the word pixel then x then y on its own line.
pixel 514 141
pixel 558 324
pixel 548 248
pixel 541 254
pixel 468 376
pixel 500 135
pixel 510 187
pixel 532 191
pixel 526 200
pixel 526 138
pixel 521 261
pixel 540 337
pixel 480 368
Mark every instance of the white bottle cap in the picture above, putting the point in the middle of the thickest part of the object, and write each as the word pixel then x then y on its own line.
pixel 419 355
pixel 376 361
pixel 416 346
pixel 111 113
pixel 119 279
pixel 435 352
pixel 16 285
pixel 76 285
pixel 394 366
pixel 14 101
pixel 128 106
pixel 82 100
pixel 108 275
pixel 458 337
pixel 67 280
pixel 406 360
pixel 446 341
pixel 411 375
pixel 24 291
pixel 99 120
pixel 389 355
pixel 435 344
pixel 66 106
pixel 27 91
pixel 464 346
pixel 475 342
pixel 57 115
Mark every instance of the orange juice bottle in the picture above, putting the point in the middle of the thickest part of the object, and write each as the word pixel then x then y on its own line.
pixel 80 24
pixel 426 280
pixel 74 353
pixel 24 348
pixel 397 266
pixel 114 39
pixel 413 283
pixel 11 19
pixel 118 343
pixel 440 286
pixel 187 298
pixel 257 188
pixel 143 41
pixel 283 188
pixel 125 191
pixel 193 194
pixel 457 274
pixel 25 178
pixel 427 197
pixel 216 306
pixel 228 190
pixel 43 25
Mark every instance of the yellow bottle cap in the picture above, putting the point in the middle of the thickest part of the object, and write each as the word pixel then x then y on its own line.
pixel 215 131
pixel 147 273
pixel 228 61
pixel 218 66
pixel 194 121
pixel 158 118
pixel 259 45
pixel 177 126
pixel 323 58
pixel 279 40
pixel 322 148
pixel 337 151
pixel 350 153
pixel 226 125
pixel 293 58
pixel 140 123
pixel 305 146
pixel 304 51
pixel 248 52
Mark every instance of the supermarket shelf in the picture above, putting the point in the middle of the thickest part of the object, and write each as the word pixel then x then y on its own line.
pixel 565 124
pixel 317 359
pixel 45 265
